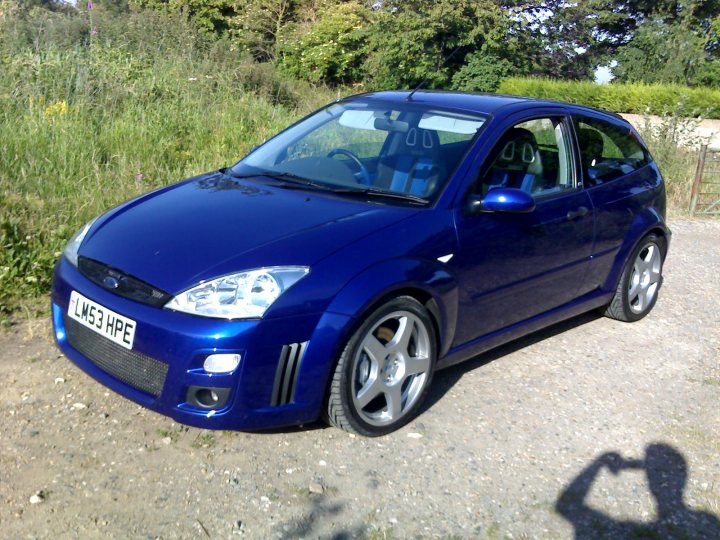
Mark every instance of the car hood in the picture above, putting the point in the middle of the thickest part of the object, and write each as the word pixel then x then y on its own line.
pixel 214 224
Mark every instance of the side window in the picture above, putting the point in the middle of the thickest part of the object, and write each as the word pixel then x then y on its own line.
pixel 607 151
pixel 533 156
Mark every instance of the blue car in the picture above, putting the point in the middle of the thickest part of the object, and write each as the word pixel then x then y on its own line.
pixel 336 267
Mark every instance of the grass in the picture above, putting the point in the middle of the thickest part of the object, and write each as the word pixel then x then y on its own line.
pixel 90 121
pixel 674 147
pixel 203 440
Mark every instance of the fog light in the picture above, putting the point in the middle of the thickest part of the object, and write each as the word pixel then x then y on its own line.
pixel 221 363
pixel 207 397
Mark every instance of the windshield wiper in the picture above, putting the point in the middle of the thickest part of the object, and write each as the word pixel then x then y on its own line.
pixel 292 178
pixel 380 194
pixel 295 181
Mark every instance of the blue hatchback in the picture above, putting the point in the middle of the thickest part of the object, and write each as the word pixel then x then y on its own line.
pixel 331 271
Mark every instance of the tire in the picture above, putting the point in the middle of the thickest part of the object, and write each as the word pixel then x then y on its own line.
pixel 385 370
pixel 637 290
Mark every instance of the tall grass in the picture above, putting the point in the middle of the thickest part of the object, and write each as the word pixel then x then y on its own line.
pixel 90 120
pixel 674 146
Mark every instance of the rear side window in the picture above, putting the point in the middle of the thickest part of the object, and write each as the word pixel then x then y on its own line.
pixel 607 151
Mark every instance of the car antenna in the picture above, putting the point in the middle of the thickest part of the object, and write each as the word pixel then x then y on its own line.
pixel 426 79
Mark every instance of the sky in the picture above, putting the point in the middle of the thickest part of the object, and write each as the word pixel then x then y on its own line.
pixel 603 75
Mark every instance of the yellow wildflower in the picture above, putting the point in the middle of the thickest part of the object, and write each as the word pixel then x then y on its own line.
pixel 57 108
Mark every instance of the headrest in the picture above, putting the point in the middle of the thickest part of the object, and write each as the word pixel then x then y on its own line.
pixel 520 146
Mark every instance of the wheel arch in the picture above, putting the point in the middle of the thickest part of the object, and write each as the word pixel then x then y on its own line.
pixel 650 221
pixel 428 282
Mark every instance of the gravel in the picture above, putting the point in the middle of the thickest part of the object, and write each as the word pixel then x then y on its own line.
pixel 492 455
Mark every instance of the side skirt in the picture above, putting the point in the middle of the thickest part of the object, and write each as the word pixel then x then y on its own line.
pixel 466 351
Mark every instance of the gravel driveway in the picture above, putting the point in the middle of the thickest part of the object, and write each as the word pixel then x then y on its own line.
pixel 588 428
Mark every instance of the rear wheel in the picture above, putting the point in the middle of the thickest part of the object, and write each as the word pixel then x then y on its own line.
pixel 641 279
pixel 385 370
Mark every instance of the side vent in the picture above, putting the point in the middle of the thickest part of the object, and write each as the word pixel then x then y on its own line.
pixel 287 373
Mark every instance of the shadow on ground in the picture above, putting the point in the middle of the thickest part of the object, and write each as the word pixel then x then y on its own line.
pixel 445 379
pixel 667 471
pixel 321 510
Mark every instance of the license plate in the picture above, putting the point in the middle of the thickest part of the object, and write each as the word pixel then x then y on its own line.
pixel 102 320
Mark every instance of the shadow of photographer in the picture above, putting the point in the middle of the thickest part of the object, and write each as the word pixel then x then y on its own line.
pixel 667 472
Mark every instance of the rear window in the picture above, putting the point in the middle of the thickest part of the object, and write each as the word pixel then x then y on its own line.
pixel 608 151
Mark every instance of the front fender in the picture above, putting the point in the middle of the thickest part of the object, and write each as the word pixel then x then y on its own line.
pixel 428 280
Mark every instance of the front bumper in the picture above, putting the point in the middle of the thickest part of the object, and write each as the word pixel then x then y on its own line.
pixel 281 379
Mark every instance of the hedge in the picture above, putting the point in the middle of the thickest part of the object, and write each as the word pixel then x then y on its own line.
pixel 660 99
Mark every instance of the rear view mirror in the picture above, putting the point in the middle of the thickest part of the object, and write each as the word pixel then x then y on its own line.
pixel 506 200
pixel 396 126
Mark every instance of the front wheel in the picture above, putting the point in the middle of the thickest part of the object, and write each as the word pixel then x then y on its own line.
pixel 385 370
pixel 641 279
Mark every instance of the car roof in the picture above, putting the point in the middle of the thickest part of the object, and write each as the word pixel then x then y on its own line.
pixel 479 103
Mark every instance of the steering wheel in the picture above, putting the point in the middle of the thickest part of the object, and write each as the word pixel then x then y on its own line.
pixel 364 173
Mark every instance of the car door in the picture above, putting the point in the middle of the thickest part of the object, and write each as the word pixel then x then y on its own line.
pixel 622 182
pixel 514 266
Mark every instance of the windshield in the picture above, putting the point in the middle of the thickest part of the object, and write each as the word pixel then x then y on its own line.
pixel 394 148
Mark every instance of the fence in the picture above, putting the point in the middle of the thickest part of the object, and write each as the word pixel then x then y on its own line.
pixel 705 197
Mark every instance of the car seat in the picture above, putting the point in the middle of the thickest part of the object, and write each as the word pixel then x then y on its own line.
pixel 519 164
pixel 413 166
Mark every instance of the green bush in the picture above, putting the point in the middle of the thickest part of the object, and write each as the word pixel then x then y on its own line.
pixel 659 99
pixel 481 73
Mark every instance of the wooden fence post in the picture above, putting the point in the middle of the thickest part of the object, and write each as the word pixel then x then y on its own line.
pixel 698 178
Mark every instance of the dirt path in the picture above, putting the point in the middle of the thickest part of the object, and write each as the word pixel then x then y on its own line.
pixel 501 439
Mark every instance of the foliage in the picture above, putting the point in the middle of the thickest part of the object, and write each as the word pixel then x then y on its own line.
pixel 414 41
pixel 87 124
pixel 331 49
pixel 209 15
pixel 462 43
pixel 481 73
pixel 672 142
pixel 661 53
pixel 259 25
pixel 551 38
pixel 637 98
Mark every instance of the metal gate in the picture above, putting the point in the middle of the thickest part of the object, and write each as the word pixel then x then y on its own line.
pixel 705 197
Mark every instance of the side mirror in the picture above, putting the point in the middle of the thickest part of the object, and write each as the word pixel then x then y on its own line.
pixel 504 200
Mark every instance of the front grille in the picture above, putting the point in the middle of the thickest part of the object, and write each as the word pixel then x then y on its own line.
pixel 287 373
pixel 122 284
pixel 132 368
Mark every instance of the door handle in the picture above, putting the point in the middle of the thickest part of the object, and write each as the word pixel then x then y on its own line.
pixel 579 213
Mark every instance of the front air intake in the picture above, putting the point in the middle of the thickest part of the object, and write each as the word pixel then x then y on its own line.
pixel 287 373
pixel 131 367
pixel 122 284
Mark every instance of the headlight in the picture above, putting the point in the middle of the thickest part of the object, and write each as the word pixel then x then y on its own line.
pixel 245 295
pixel 71 250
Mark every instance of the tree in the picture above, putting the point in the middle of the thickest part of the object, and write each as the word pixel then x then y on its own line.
pixel 258 25
pixel 210 15
pixel 482 72
pixel 551 38
pixel 673 42
pixel 331 49
pixel 661 52
pixel 412 41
